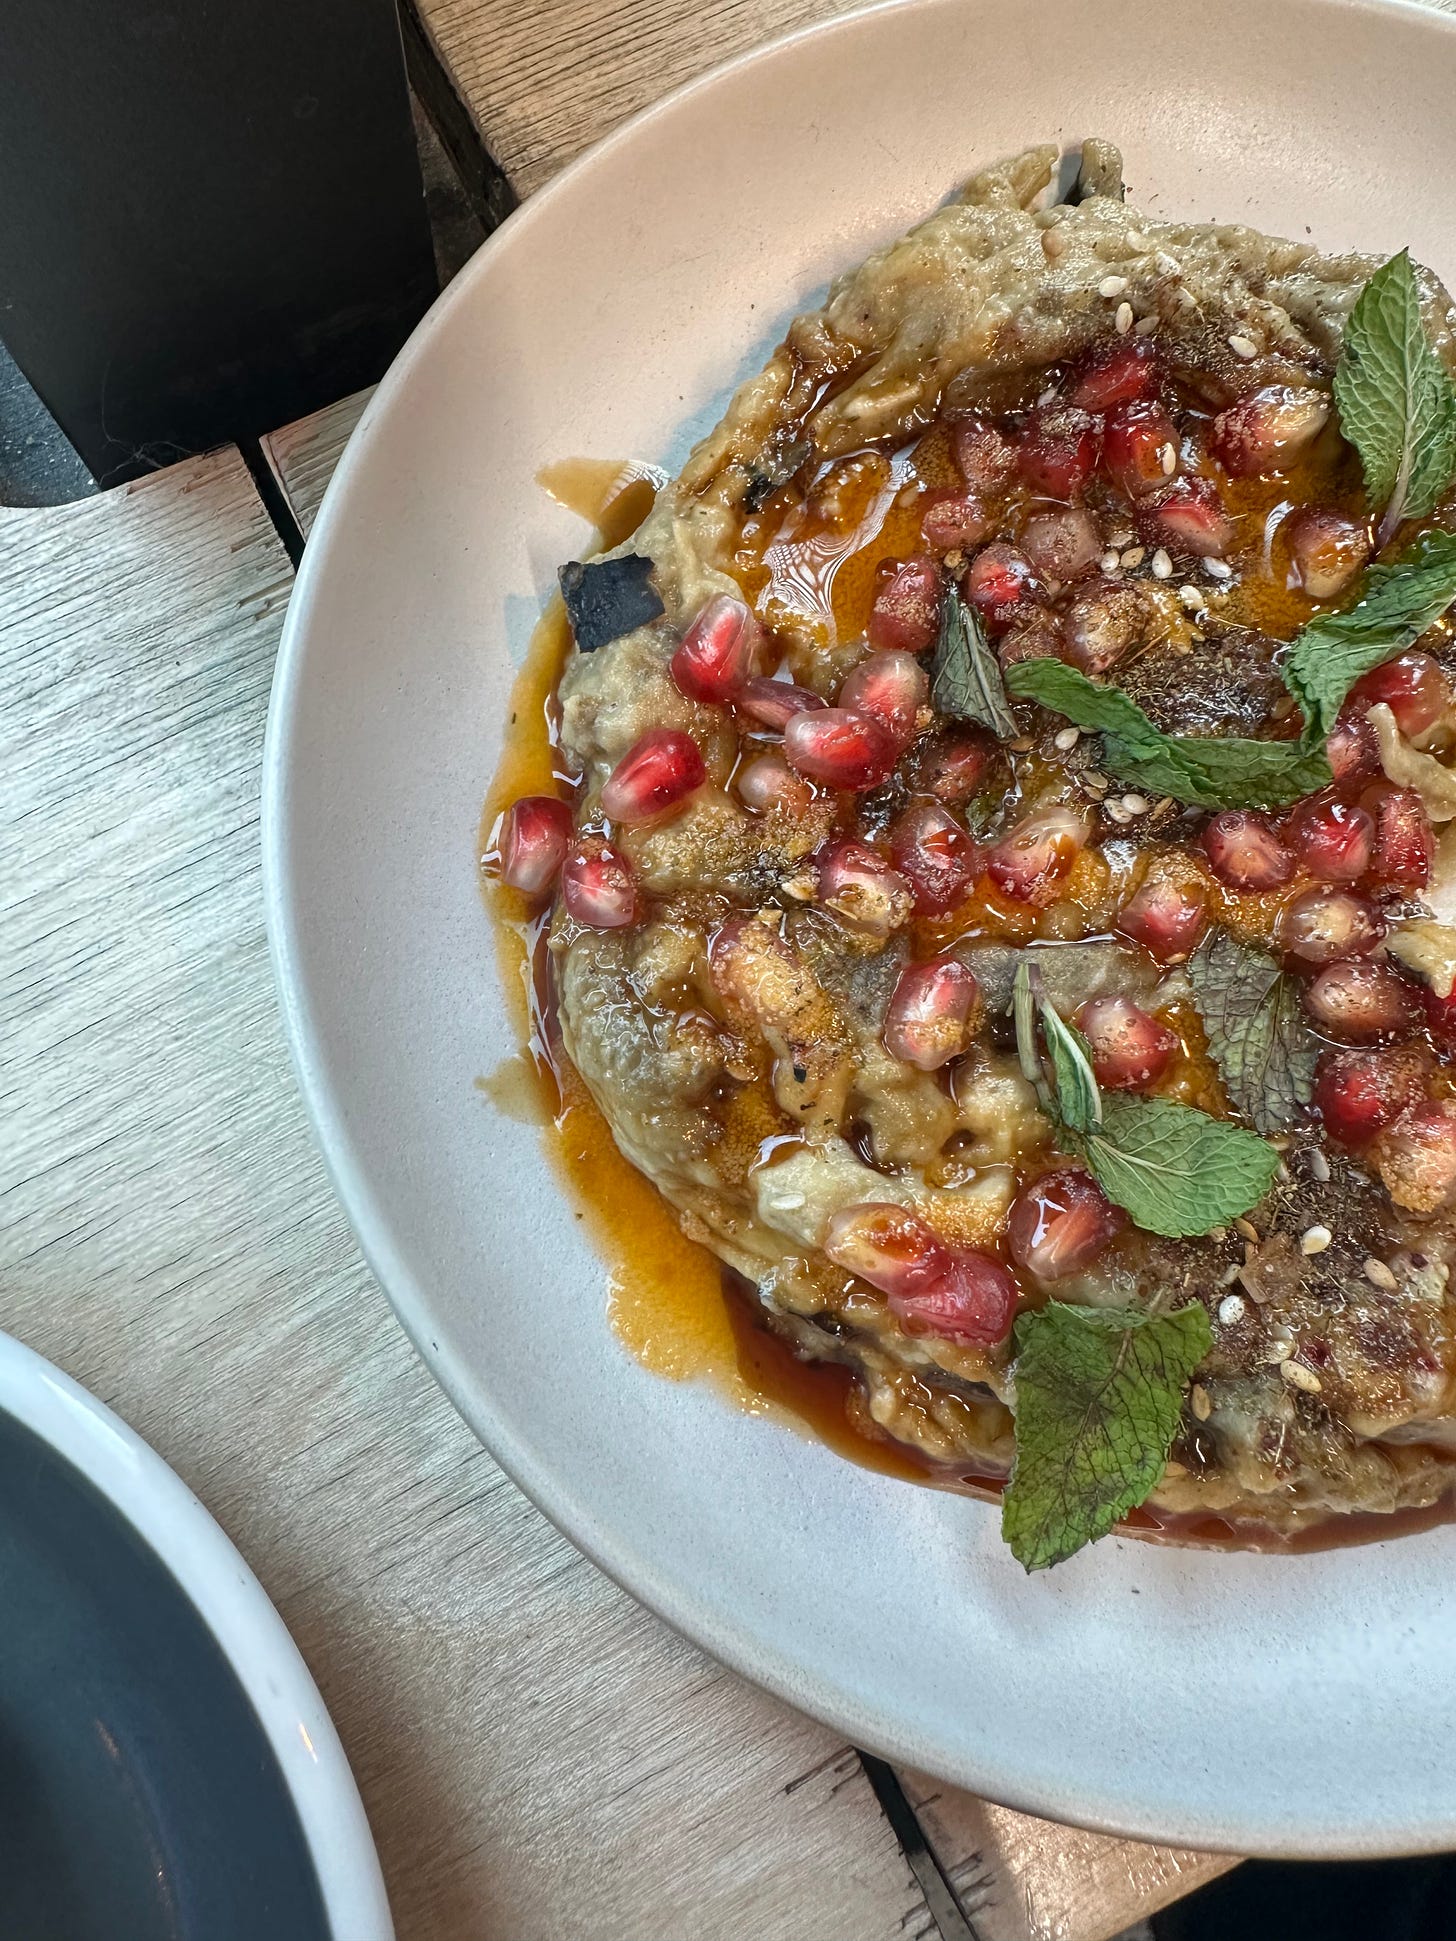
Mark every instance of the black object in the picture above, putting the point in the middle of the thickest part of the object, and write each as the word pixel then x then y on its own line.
pixel 1355 1900
pixel 211 215
pixel 606 598
pixel 139 1798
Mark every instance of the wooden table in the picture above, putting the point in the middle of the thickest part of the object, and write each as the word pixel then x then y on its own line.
pixel 539 1756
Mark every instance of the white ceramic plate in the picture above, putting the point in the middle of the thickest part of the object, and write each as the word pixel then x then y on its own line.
pixel 1294 1704
pixel 168 1758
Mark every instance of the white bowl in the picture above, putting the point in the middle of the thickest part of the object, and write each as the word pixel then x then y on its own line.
pixel 1297 1704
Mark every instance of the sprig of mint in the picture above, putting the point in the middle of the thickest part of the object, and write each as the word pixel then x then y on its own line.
pixel 1256 1030
pixel 1099 1396
pixel 1174 1169
pixel 1396 401
pixel 1397 604
pixel 1223 773
pixel 965 676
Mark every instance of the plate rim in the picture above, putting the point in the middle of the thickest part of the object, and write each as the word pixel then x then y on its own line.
pixel 239 1616
pixel 845 1711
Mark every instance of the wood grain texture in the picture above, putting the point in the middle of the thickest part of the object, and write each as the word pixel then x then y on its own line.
pixel 544 81
pixel 539 1757
pixel 1022 1879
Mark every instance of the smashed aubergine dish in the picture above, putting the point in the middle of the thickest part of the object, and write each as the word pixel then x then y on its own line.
pixel 1007 900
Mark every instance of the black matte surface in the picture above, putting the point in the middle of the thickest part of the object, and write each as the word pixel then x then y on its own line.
pixel 139 1800
pixel 211 216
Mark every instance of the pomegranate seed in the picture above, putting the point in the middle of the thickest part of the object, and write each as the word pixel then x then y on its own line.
pixel 1326 550
pixel 1102 625
pixel 935 855
pixel 1323 925
pixel 1000 585
pixel 597 886
pixel 841 749
pixel 1412 686
pixel 953 764
pixel 775 703
pixel 1063 543
pixel 1244 852
pixel 715 656
pixel 928 1021
pixel 1441 1018
pixel 858 884
pixel 906 613
pixel 888 1246
pixel 768 783
pixel 955 523
pixel 975 1305
pixel 657 772
pixel 1352 748
pixel 1416 1157
pixel 1362 1002
pixel 891 688
pixel 1187 515
pixel 1405 843
pixel 1267 430
pixel 531 842
pixel 1034 860
pixel 1116 372
pixel 986 459
pixel 1134 442
pixel 1057 451
pixel 1164 918
pixel 1060 1224
pixel 1358 1092
pixel 1130 1048
pixel 1333 839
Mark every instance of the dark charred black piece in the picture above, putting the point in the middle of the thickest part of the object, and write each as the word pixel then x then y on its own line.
pixel 776 469
pixel 606 598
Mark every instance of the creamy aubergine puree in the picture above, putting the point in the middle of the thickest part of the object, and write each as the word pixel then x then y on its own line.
pixel 1177 1225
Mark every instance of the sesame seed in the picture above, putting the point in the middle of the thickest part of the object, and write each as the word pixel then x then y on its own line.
pixel 1379 1275
pixel 1198 1398
pixel 1053 242
pixel 1066 738
pixel 1168 459
pixel 1314 1240
pixel 1145 326
pixel 1243 347
pixel 1231 1310
pixel 1134 556
pixel 1280 1351
pixel 1136 804
pixel 1123 319
pixel 1095 779
pixel 1115 809
pixel 1227 1279
pixel 1218 569
pixel 1298 1376
pixel 1317 1165
pixel 1192 598
pixel 1136 239
pixel 1247 1229
pixel 1112 286
pixel 1110 562
pixel 1049 396
pixel 1162 565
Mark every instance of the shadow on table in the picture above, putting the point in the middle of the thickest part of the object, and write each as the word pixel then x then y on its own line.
pixel 1266 1900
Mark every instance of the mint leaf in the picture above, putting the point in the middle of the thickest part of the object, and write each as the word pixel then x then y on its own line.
pixel 1397 603
pixel 1099 1396
pixel 1222 773
pixel 1396 400
pixel 1256 1030
pixel 1174 1169
pixel 965 676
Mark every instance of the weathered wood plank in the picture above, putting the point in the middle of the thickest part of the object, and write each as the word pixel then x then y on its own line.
pixel 538 1756
pixel 545 81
